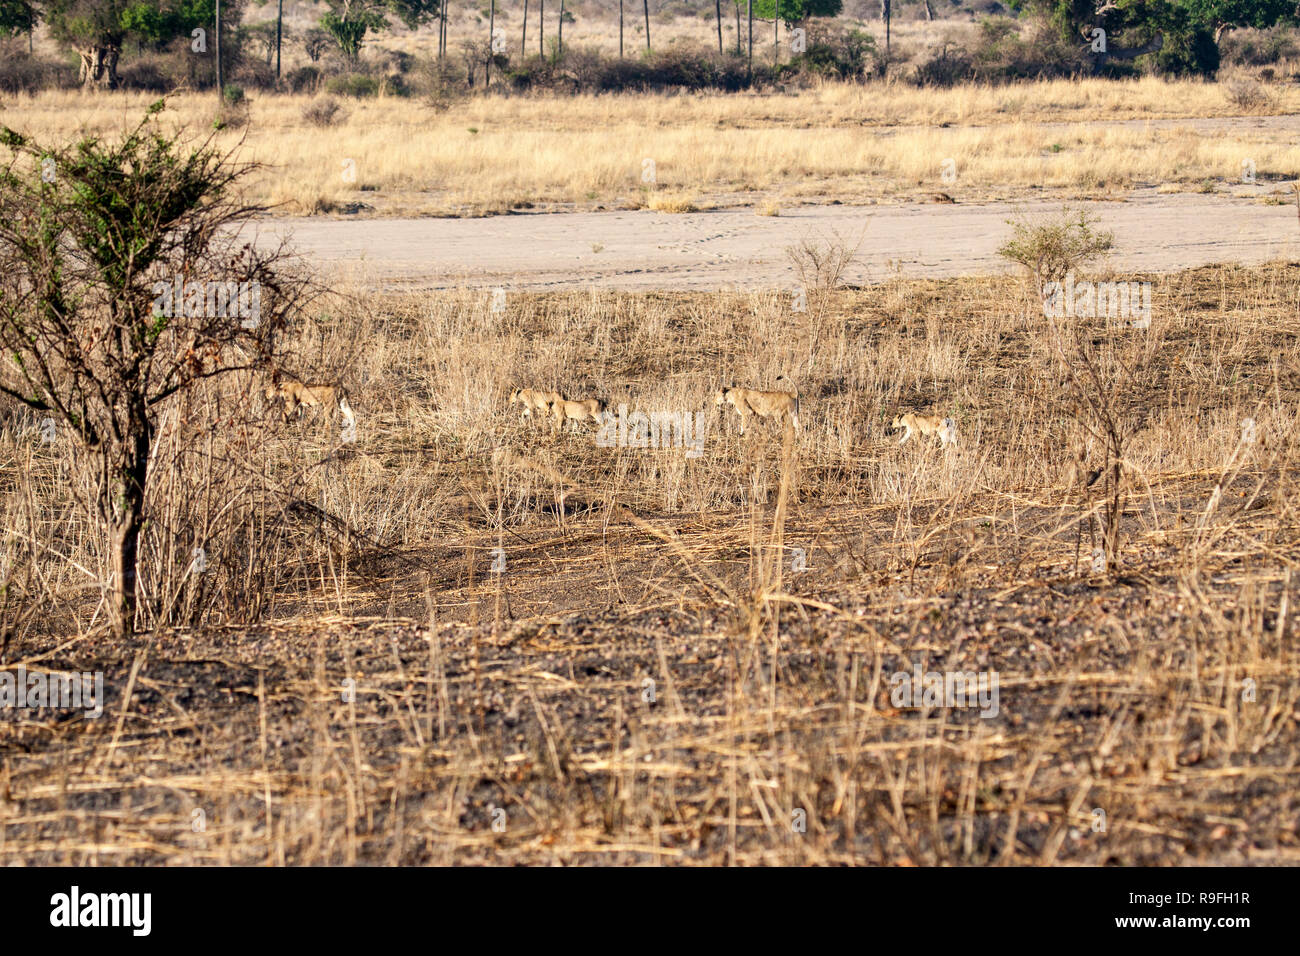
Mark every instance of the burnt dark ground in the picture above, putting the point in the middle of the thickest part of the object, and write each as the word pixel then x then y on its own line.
pixel 1120 694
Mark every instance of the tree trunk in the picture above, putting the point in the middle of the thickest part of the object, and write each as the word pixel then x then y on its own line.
pixel 492 42
pixel 541 29
pixel 646 6
pixel 738 49
pixel 99 67
pixel 128 517
pixel 216 36
pixel 559 43
pixel 523 44
pixel 620 29
pixel 749 11
pixel 929 12
pixel 279 31
pixel 717 8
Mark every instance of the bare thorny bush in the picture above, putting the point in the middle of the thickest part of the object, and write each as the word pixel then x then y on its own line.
pixel 820 261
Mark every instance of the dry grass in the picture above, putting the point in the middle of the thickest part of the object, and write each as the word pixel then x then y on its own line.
pixel 629 570
pixel 847 142
pixel 674 202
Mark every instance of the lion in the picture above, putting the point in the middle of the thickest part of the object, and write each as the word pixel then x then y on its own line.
pixel 565 410
pixel 749 401
pixel 296 394
pixel 534 400
pixel 927 425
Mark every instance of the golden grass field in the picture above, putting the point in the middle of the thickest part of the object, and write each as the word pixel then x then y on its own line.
pixel 652 678
pixel 842 143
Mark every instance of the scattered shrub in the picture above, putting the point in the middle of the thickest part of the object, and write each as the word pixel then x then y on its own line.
pixel 356 85
pixel 1054 245
pixel 324 112
pixel 148 73
pixel 1259 47
pixel 1247 94
pixel 587 70
pixel 839 54
pixel 820 261
pixel 174 67
pixel 22 73
pixel 304 79
pixel 233 112
pixel 254 73
pixel 948 67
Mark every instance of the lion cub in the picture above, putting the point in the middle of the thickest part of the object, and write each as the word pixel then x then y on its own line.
pixel 927 425
pixel 295 395
pixel 749 401
pixel 534 400
pixel 577 411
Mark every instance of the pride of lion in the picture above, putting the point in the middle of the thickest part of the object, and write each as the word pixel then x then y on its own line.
pixel 534 400
pixel 780 405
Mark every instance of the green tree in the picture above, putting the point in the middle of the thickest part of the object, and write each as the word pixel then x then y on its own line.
pixel 1220 16
pixel 17 16
pixel 95 239
pixel 348 21
pixel 796 11
pixel 96 29
pixel 1188 31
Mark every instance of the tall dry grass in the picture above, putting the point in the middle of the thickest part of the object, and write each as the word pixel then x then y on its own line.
pixel 430 374
pixel 369 561
pixel 856 143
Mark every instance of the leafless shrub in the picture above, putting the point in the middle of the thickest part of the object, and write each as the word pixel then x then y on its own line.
pixel 1247 94
pixel 324 112
pixel 820 261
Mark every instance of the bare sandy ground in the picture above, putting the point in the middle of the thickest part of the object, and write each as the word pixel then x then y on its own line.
pixel 735 248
